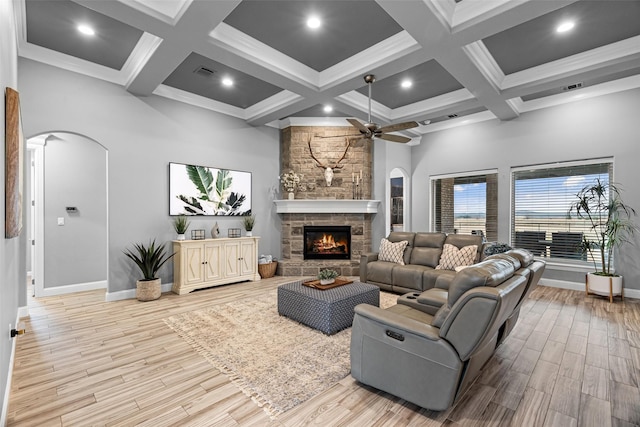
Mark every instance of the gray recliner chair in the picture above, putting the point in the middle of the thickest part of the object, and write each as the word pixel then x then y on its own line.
pixel 430 360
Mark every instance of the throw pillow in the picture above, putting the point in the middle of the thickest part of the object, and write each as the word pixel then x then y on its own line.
pixel 453 257
pixel 392 252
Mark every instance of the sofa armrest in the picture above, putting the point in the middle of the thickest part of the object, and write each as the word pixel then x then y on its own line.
pixel 398 321
pixel 366 258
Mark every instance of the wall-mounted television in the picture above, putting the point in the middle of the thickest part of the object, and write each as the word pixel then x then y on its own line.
pixel 203 190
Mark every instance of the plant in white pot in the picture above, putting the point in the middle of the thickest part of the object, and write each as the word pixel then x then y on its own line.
pixel 248 222
pixel 149 259
pixel 181 224
pixel 609 219
pixel 327 276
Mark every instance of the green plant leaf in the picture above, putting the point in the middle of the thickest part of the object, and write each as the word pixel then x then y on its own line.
pixel 222 192
pixel 202 178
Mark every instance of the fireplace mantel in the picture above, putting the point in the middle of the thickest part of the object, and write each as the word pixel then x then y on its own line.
pixel 327 206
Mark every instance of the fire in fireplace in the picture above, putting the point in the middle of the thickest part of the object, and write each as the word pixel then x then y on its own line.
pixel 327 242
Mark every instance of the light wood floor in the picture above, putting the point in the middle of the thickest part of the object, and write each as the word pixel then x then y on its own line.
pixel 571 360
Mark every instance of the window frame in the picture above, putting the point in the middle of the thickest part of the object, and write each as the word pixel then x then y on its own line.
pixel 564 264
pixel 433 178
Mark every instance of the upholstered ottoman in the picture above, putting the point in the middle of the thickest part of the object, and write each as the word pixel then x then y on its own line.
pixel 328 311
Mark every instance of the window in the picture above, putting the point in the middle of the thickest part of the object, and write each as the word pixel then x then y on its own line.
pixel 466 204
pixel 542 195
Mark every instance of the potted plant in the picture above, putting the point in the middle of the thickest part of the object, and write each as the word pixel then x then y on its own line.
pixel 149 259
pixel 248 222
pixel 327 276
pixel 609 219
pixel 180 224
pixel 290 182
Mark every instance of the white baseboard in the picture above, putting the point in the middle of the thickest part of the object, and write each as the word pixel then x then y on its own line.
pixel 7 390
pixel 76 287
pixel 577 286
pixel 131 293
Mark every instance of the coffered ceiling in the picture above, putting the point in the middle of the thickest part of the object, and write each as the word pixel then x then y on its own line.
pixel 467 60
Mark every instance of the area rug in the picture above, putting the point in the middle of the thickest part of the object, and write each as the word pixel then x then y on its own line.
pixel 276 361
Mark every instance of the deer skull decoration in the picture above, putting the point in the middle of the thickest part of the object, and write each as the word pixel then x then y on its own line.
pixel 328 170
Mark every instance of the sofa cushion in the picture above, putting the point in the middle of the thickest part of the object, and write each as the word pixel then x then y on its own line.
pixel 453 257
pixel 431 278
pixel 487 273
pixel 462 240
pixel 392 252
pixel 513 260
pixel 380 272
pixel 523 255
pixel 427 248
pixel 398 236
pixel 409 276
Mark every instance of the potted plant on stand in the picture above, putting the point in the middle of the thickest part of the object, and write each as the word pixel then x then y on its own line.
pixel 149 259
pixel 609 219
pixel 248 222
pixel 180 224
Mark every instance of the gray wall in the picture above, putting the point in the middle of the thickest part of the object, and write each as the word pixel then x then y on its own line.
pixel 12 251
pixel 75 174
pixel 605 126
pixel 142 135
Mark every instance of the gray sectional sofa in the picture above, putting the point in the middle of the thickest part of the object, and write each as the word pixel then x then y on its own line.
pixel 421 257
pixel 439 339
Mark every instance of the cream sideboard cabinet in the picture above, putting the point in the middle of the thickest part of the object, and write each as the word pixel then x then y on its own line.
pixel 210 262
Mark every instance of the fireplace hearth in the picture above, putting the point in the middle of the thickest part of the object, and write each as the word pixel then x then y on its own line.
pixel 327 242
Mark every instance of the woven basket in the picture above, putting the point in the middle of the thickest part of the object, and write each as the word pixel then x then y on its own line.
pixel 267 270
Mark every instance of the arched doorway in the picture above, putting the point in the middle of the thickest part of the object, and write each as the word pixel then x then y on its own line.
pixel 398 216
pixel 68 219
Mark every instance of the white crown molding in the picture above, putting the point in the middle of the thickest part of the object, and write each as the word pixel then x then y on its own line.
pixel 310 121
pixel 143 51
pixel 199 101
pixel 279 100
pixel 361 102
pixel 624 50
pixel 482 116
pixel 169 12
pixel 245 46
pixel 388 50
pixel 469 12
pixel 431 105
pixel 484 61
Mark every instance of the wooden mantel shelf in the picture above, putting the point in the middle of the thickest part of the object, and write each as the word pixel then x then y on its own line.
pixel 327 206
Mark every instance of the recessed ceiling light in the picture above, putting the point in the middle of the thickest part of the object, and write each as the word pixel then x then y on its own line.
pixel 86 30
pixel 227 81
pixel 314 22
pixel 328 108
pixel 565 26
pixel 406 84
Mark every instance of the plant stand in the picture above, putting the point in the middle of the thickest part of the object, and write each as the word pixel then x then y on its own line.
pixel 604 286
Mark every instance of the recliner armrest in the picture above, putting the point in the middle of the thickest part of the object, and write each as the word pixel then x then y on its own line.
pixel 398 321
pixel 366 258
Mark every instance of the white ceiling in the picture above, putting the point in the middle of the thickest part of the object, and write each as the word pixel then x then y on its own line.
pixel 477 59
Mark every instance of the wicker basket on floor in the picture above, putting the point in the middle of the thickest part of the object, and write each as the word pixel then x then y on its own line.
pixel 267 270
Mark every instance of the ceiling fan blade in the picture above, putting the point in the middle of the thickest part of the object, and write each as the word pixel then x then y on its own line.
pixel 398 126
pixel 362 128
pixel 393 138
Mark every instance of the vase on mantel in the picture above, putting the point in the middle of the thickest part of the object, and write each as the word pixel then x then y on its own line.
pixel 292 196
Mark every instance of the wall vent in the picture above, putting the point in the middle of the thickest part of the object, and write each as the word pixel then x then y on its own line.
pixel 204 71
pixel 452 116
pixel 573 86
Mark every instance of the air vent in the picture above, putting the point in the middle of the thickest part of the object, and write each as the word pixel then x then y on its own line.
pixel 573 86
pixel 452 116
pixel 204 71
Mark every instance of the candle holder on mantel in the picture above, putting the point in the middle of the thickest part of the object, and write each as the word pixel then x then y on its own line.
pixel 356 191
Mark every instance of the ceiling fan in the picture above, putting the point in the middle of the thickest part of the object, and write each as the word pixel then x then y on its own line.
pixel 372 130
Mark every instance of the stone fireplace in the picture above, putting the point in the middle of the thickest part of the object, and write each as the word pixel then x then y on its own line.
pixel 319 205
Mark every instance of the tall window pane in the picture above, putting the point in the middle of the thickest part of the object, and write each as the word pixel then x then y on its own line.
pixel 466 205
pixel 542 196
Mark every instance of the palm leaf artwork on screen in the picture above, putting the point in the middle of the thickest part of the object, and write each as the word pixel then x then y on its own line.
pixel 215 195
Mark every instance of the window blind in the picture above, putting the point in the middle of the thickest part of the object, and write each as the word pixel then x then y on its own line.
pixel 541 218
